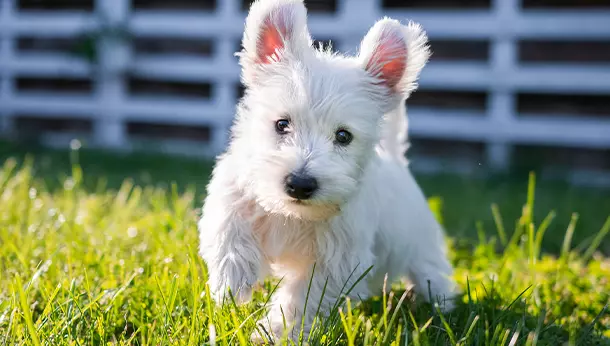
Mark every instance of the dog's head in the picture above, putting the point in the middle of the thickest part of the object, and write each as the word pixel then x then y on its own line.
pixel 309 121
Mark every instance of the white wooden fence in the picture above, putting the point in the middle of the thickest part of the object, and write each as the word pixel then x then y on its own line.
pixel 110 106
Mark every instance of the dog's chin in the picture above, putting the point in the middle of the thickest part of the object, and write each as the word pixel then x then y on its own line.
pixel 311 210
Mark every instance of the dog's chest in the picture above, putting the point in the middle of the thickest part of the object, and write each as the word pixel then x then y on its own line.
pixel 287 242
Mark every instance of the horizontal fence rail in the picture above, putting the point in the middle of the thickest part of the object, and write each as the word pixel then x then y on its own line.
pixel 122 91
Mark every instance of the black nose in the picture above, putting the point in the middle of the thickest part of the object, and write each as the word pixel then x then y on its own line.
pixel 300 186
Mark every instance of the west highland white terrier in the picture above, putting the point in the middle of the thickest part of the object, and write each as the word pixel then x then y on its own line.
pixel 315 173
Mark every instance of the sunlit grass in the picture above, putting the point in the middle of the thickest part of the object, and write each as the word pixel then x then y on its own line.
pixel 120 267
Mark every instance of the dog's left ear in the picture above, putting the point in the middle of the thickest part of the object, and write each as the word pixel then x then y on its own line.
pixel 394 54
pixel 275 30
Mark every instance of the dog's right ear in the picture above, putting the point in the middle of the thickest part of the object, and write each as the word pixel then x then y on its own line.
pixel 275 30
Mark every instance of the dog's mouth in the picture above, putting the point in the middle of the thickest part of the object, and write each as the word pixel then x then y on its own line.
pixel 303 203
pixel 311 210
pixel 309 203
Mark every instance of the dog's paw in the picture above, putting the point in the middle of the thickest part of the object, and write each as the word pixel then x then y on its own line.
pixel 264 339
pixel 446 305
pixel 223 294
pixel 267 333
pixel 231 278
pixel 271 330
pixel 223 291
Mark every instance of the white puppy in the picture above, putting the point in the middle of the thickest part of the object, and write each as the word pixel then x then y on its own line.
pixel 315 172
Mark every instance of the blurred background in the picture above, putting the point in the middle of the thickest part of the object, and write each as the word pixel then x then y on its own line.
pixel 512 86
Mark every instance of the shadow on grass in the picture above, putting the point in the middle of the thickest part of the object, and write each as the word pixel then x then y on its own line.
pixel 486 322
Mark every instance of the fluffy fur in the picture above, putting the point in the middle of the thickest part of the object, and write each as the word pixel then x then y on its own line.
pixel 368 210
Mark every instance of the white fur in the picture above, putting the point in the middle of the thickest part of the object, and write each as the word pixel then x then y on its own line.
pixel 368 211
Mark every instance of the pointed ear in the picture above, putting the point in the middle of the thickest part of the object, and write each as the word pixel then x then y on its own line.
pixel 394 54
pixel 275 30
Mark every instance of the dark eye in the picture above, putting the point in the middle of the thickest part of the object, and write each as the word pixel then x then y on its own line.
pixel 343 137
pixel 281 126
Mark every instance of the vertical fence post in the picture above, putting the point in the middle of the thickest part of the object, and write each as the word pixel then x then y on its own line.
pixel 7 8
pixel 225 88
pixel 501 108
pixel 113 58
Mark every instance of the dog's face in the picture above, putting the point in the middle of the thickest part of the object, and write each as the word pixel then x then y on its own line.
pixel 308 124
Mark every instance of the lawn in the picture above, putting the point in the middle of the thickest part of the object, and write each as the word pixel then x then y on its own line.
pixel 101 249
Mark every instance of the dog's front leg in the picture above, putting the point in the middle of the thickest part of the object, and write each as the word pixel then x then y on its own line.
pixel 431 271
pixel 299 298
pixel 233 257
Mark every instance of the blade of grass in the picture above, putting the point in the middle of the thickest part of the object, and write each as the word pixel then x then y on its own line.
pixel 597 240
pixel 394 315
pixel 567 240
pixel 542 230
pixel 531 194
pixel 27 314
pixel 591 325
pixel 448 329
pixel 313 270
pixel 495 211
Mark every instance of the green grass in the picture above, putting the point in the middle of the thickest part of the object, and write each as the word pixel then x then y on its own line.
pixel 89 258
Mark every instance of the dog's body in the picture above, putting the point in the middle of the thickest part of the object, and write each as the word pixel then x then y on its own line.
pixel 315 172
